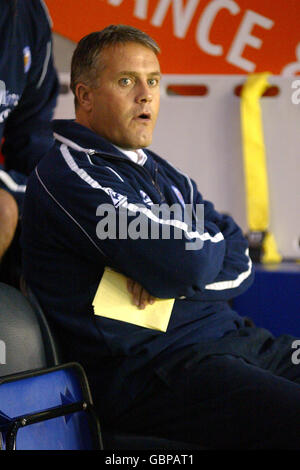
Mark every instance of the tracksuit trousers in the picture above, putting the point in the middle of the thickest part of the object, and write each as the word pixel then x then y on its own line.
pixel 239 392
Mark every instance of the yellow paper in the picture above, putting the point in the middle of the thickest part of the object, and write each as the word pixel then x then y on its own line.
pixel 112 300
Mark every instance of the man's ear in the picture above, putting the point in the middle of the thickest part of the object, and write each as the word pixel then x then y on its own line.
pixel 84 96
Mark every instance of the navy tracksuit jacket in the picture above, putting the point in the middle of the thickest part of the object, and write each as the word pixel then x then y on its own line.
pixel 64 259
pixel 28 90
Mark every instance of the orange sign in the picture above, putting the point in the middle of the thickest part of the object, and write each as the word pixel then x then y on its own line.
pixel 198 36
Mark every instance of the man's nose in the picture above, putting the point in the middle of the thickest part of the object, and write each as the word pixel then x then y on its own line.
pixel 144 93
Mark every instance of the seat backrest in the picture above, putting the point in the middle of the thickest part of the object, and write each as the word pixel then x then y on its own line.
pixel 48 409
pixel 26 341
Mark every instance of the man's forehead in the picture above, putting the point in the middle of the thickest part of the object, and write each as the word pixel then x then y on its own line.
pixel 130 56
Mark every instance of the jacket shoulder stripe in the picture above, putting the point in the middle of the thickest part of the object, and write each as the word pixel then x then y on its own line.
pixel 79 171
pixel 45 66
pixel 218 237
pixel 69 143
pixel 47 14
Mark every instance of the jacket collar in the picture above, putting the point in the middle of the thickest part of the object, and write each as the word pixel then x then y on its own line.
pixel 81 138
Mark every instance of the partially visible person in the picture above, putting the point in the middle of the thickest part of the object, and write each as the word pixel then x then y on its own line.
pixel 28 92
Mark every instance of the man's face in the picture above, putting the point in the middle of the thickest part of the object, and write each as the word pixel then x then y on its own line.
pixel 125 105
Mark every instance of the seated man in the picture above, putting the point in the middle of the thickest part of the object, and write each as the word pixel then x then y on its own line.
pixel 210 379
pixel 28 91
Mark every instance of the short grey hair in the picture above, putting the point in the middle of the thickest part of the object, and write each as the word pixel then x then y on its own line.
pixel 86 60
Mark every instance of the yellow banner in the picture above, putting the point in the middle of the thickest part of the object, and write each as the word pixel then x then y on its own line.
pixel 255 166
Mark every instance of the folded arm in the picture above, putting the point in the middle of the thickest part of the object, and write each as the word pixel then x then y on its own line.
pixel 236 273
pixel 165 266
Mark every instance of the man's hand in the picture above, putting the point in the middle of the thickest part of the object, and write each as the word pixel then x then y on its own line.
pixel 140 296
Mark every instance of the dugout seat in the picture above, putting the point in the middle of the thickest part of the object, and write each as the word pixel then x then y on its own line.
pixel 48 409
pixel 31 352
pixel 44 405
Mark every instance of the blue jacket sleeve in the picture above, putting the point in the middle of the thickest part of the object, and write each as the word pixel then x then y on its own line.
pixel 27 134
pixel 237 272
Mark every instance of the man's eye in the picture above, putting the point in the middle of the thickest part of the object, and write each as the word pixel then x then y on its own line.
pixel 153 82
pixel 125 81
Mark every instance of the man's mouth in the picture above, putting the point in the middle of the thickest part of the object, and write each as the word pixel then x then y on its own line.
pixel 144 117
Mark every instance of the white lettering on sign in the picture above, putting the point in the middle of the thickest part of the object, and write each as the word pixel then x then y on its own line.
pixel 182 16
pixel 115 3
pixel 206 21
pixel 183 13
pixel 141 9
pixel 244 38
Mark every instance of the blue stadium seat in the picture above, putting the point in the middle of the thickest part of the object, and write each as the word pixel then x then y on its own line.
pixel 48 409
